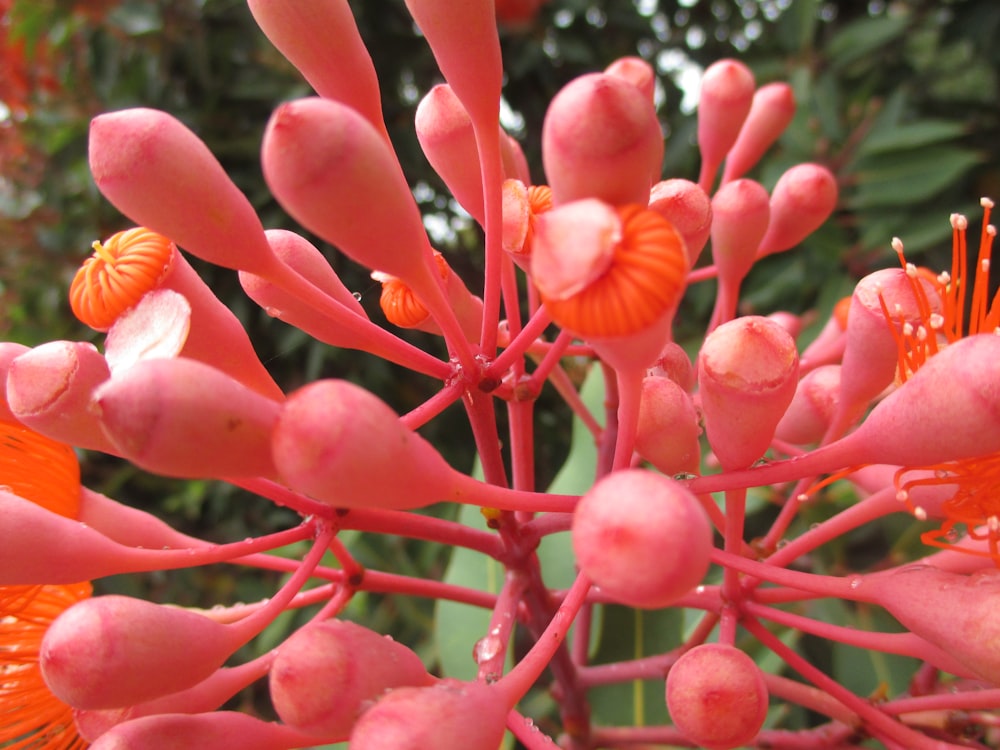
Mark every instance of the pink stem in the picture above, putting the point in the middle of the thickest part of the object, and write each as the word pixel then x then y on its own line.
pixel 432 407
pixel 519 345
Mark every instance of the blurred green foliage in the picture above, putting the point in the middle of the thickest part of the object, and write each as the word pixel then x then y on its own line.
pixel 899 99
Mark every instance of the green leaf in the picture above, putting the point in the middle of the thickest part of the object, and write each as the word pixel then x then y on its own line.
pixel 910 136
pixel 457 626
pixel 902 178
pixel 865 38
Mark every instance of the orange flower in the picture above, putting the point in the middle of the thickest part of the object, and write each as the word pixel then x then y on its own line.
pixel 975 505
pixel 399 303
pixel 45 472
pixel 118 274
pixel 642 282
pixel 30 715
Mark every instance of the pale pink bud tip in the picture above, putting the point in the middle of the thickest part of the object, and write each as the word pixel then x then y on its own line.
pixel 747 372
pixel 601 139
pixel 642 538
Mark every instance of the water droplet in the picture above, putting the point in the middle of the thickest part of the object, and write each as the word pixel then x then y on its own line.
pixel 356 295
pixel 855 583
pixel 699 590
pixel 248 540
pixel 486 648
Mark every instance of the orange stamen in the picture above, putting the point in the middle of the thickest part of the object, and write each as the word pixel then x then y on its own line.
pixel 30 715
pixel 118 274
pixel 643 281
pixel 39 469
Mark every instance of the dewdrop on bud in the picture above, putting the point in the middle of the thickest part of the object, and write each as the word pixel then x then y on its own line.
pixel 325 674
pixel 114 651
pixel 601 139
pixel 444 716
pixel 747 373
pixel 717 697
pixel 642 538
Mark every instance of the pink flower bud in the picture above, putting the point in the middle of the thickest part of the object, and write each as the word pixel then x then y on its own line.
pixel 208 695
pixel 182 418
pixel 332 171
pixel 636 71
pixel 449 714
pixel 619 528
pixel 747 374
pixel 771 111
pixel 668 430
pixel 727 91
pixel 812 408
pixel 343 446
pixel 162 176
pixel 957 613
pixel 601 139
pixel 327 673
pixel 205 731
pixel 446 136
pixel 343 71
pixel 688 208
pixel 9 351
pixel 463 38
pixel 129 526
pixel 50 389
pixel 113 651
pixel 740 215
pixel 803 199
pixel 871 354
pixel 515 163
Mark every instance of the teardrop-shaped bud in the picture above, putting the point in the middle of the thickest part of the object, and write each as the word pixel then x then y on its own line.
pixel 113 651
pixel 803 198
pixel 747 373
pixel 326 674
pixel 668 432
pixel 771 111
pixel 205 731
pixel 727 91
pixel 688 208
pixel 601 139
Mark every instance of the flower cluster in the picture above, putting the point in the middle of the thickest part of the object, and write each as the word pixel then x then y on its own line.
pixel 897 397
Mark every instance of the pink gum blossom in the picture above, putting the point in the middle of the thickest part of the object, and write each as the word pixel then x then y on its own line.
pixel 740 215
pixel 464 40
pixel 667 432
pixel 688 208
pixel 636 71
pixel 208 695
pixel 771 111
pixel 801 201
pixel 50 389
pixel 448 139
pixel 329 168
pixel 182 418
pixel 747 374
pixel 871 354
pixel 956 613
pixel 162 176
pixel 601 139
pixel 812 408
pixel 38 546
pixel 9 351
pixel 342 71
pixel 341 658
pixel 202 732
pixel 727 91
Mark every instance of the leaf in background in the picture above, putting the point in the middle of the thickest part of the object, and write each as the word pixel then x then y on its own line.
pixel 902 178
pixel 865 38
pixel 910 136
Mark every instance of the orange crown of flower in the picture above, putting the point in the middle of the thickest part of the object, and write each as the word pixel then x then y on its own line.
pixel 398 302
pixel 643 281
pixel 118 274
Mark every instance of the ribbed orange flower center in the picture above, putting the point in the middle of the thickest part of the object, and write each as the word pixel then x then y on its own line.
pixel 644 280
pixel 398 302
pixel 118 274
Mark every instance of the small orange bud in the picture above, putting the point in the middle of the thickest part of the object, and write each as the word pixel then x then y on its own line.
pixel 118 274
pixel 400 305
